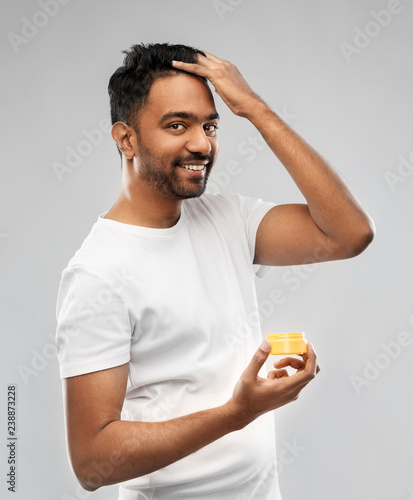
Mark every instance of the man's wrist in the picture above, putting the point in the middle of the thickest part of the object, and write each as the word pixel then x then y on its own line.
pixel 258 110
pixel 234 417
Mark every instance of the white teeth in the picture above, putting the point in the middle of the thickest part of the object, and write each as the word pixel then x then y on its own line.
pixel 193 167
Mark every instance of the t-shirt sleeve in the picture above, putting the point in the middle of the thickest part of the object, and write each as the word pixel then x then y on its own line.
pixel 253 211
pixel 94 323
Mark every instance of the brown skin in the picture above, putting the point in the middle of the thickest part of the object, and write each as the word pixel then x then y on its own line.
pixel 332 219
pixel 162 139
pixel 106 450
pixel 332 225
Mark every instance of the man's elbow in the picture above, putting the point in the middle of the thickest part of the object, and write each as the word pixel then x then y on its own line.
pixel 88 485
pixel 361 239
pixel 88 473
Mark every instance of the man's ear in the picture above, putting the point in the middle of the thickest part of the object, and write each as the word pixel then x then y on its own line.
pixel 121 133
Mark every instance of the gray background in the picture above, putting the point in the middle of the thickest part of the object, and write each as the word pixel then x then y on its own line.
pixel 350 441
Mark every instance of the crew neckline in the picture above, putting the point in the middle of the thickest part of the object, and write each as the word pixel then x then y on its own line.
pixel 132 228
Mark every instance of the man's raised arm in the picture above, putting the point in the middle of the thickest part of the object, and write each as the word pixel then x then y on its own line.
pixel 332 225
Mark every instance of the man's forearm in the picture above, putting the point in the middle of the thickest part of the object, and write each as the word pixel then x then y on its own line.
pixel 124 450
pixel 333 207
pixel 106 450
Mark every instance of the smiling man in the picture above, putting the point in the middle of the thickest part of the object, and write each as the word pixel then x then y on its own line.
pixel 172 143
pixel 164 380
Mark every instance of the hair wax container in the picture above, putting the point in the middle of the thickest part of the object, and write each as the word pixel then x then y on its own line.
pixel 287 343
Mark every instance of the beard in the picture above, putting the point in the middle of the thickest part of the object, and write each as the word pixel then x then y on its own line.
pixel 167 180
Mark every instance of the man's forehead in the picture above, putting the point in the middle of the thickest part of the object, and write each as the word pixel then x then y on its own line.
pixel 181 93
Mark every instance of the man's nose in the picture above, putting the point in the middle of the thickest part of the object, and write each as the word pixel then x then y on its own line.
pixel 199 142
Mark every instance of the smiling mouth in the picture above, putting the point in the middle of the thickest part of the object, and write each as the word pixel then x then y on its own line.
pixel 193 167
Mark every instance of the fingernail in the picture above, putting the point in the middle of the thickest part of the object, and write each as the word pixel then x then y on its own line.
pixel 265 346
pixel 312 347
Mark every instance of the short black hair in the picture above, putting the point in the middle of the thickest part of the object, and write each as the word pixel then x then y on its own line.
pixel 130 84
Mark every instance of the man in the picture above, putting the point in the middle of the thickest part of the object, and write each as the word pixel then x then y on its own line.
pixel 157 396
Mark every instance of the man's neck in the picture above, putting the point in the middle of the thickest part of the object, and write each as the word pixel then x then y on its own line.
pixel 141 205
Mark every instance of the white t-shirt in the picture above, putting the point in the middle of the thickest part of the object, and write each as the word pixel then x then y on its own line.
pixel 179 304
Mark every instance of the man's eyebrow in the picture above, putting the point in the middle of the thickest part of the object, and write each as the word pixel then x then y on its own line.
pixel 187 116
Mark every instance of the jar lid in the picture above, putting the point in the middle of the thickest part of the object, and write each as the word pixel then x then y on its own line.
pixel 286 336
pixel 287 343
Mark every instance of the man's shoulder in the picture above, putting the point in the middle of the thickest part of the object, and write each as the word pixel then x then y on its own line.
pixel 214 201
pixel 228 204
pixel 97 252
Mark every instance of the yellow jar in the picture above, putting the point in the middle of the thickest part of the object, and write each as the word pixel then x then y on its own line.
pixel 287 343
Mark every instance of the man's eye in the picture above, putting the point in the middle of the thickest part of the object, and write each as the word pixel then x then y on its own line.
pixel 176 126
pixel 211 128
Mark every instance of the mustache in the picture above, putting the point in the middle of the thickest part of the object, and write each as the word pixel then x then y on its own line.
pixel 194 157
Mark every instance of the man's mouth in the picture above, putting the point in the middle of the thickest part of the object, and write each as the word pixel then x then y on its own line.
pixel 192 167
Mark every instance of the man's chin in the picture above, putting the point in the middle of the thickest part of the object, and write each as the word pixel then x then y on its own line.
pixel 185 195
pixel 193 191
